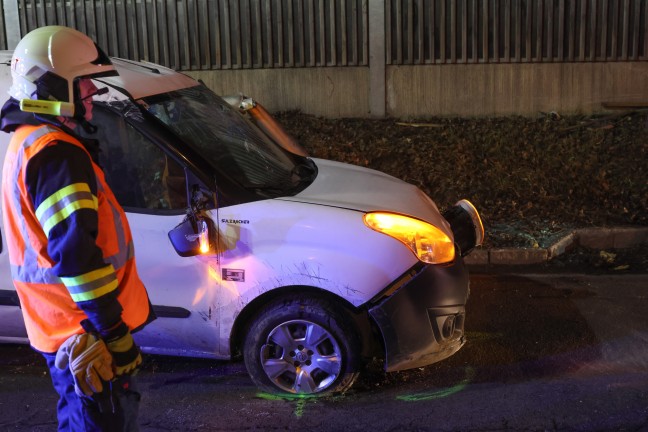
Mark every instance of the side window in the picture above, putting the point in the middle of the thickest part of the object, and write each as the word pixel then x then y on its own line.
pixel 140 174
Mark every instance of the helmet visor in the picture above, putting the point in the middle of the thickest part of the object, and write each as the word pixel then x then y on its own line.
pixel 51 86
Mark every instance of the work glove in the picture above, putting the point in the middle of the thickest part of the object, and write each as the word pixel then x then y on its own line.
pixel 125 353
pixel 88 360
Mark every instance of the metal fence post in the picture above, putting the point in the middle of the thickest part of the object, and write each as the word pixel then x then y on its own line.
pixel 12 23
pixel 377 81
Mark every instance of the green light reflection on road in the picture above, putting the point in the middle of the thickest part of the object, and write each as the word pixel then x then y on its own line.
pixel 302 399
pixel 438 394
pixel 299 398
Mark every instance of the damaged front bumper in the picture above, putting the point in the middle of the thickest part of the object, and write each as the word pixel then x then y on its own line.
pixel 421 317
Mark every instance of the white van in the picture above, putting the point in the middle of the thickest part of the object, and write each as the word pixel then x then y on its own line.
pixel 248 247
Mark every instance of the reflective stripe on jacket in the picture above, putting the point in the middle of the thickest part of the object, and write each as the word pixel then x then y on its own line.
pixel 48 301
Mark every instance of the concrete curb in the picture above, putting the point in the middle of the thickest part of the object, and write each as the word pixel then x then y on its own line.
pixel 593 238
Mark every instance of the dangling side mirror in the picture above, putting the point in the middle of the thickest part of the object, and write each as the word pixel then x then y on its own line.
pixel 196 235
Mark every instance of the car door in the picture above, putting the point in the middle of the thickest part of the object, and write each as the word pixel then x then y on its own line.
pixel 152 188
pixel 12 326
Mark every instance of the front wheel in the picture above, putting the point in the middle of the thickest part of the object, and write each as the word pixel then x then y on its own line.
pixel 304 346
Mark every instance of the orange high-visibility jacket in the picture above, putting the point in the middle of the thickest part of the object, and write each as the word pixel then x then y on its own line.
pixel 49 302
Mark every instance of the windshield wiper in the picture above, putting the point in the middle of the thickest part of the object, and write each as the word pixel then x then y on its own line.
pixel 301 175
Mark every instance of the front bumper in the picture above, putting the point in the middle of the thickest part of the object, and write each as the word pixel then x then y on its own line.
pixel 422 322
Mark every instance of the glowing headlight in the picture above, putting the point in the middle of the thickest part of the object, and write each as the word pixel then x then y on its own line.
pixel 427 242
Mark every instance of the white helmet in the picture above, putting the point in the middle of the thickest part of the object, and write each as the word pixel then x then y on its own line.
pixel 48 60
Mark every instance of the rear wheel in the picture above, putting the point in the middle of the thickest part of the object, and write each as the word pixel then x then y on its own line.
pixel 302 346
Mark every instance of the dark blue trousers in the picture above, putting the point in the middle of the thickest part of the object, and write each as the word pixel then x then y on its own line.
pixel 114 409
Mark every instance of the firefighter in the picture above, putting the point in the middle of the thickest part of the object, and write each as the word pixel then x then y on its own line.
pixel 70 246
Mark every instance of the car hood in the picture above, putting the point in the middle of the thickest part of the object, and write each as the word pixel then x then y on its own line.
pixel 363 189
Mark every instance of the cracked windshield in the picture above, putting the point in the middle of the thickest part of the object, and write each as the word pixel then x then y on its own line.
pixel 227 140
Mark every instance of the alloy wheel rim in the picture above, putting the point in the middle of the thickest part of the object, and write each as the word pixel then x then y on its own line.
pixel 300 356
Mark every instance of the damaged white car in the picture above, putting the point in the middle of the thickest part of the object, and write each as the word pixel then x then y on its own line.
pixel 247 246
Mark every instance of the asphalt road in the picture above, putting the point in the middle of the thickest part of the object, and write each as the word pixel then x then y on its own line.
pixel 546 352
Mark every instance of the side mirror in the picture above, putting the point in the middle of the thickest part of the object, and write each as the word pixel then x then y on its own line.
pixel 194 236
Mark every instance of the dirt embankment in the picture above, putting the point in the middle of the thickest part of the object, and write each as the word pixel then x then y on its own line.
pixel 531 179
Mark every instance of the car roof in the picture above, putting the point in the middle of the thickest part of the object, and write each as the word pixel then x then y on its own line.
pixel 139 78
pixel 142 79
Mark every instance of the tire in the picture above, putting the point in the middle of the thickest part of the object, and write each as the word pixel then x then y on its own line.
pixel 302 346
